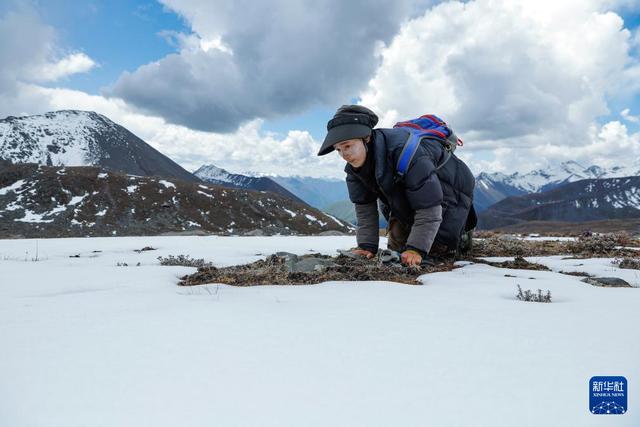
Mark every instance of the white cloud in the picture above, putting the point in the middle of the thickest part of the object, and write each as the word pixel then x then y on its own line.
pixel 527 75
pixel 611 145
pixel 252 59
pixel 521 82
pixel 29 52
pixel 248 149
pixel 24 44
pixel 71 64
pixel 192 42
pixel 28 55
pixel 608 145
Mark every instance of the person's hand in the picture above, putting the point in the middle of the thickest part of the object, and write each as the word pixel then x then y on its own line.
pixel 410 257
pixel 363 252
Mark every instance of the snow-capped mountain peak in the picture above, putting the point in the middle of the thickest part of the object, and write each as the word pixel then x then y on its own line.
pixel 571 167
pixel 596 171
pixel 60 138
pixel 493 187
pixel 542 179
pixel 216 175
pixel 211 173
pixel 82 138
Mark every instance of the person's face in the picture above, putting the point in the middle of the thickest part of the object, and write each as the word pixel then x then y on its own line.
pixel 353 151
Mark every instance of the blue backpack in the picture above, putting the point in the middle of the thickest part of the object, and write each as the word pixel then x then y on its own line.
pixel 427 127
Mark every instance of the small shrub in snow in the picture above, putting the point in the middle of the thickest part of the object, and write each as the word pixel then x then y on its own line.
pixel 124 264
pixel 631 263
pixel 184 261
pixel 528 295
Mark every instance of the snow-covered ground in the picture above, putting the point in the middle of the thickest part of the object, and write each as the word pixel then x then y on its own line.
pixel 599 267
pixel 88 343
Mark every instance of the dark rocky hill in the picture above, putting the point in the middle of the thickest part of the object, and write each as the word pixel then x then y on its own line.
pixel 585 200
pixel 41 201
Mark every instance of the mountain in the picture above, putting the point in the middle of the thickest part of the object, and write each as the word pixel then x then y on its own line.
pixel 343 209
pixel 491 188
pixel 327 194
pixel 43 201
pixel 215 175
pixel 318 192
pixel 585 200
pixel 83 138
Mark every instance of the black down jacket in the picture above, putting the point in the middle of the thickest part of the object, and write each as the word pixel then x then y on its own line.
pixel 422 186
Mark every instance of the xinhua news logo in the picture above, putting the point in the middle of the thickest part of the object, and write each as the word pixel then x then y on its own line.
pixel 608 395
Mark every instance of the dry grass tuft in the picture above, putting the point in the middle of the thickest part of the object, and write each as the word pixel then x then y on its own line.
pixel 530 296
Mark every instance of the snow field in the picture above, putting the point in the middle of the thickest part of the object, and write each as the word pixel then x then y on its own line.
pixel 88 343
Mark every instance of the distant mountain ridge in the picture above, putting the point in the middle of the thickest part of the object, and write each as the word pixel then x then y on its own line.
pixel 318 192
pixel 327 194
pixel 83 138
pixel 493 187
pixel 584 200
pixel 332 195
pixel 215 175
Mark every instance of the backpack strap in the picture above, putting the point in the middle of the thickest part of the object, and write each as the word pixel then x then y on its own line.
pixel 409 150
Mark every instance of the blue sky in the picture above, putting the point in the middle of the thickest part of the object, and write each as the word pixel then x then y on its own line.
pixel 631 19
pixel 293 68
pixel 120 35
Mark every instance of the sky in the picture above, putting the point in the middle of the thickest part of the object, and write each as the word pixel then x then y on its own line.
pixel 249 85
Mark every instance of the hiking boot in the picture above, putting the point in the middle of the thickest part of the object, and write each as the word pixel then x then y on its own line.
pixel 427 261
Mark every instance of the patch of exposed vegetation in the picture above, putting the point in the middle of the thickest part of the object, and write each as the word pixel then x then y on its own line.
pixel 587 245
pixel 509 246
pixel 599 244
pixel 630 263
pixel 530 296
pixel 289 269
pixel 146 248
pixel 518 263
pixel 184 261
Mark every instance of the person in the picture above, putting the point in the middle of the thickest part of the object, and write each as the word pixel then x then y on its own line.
pixel 428 207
